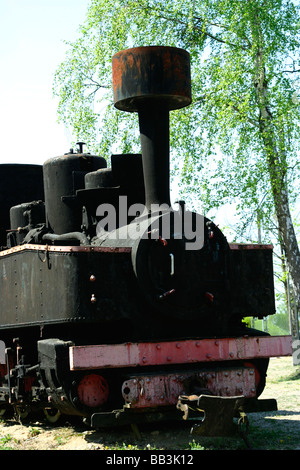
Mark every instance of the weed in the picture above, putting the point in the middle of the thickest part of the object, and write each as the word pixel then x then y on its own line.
pixel 59 440
pixel 4 440
pixel 34 432
pixel 195 445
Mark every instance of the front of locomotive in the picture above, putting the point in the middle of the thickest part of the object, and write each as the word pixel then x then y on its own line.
pixel 180 258
pixel 190 340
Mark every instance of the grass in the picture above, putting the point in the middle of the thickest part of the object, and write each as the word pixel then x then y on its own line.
pixel 4 440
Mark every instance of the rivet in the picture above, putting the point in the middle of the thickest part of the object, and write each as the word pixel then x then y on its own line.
pixel 169 358
pixel 92 278
pixel 93 299
pixel 158 346
pixel 208 356
pixel 231 354
pixel 178 345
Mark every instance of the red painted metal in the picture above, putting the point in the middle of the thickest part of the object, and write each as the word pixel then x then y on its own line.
pixel 250 246
pixel 164 389
pixel 100 249
pixel 93 390
pixel 178 352
pixel 64 249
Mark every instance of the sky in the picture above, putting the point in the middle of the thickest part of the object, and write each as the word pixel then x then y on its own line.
pixel 32 35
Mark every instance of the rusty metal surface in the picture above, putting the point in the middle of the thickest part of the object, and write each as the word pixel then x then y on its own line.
pixel 217 413
pixel 151 72
pixel 250 246
pixel 163 389
pixel 178 352
pixel 152 81
pixel 93 390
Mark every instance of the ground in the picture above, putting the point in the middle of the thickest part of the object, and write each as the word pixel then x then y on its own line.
pixel 269 430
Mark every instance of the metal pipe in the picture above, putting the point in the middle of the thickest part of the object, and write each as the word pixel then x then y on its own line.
pixel 154 135
pixel 67 236
pixel 153 81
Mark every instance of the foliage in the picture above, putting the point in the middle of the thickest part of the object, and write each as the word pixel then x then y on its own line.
pixel 4 440
pixel 217 151
pixel 275 325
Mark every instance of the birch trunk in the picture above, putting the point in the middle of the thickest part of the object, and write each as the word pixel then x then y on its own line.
pixel 276 160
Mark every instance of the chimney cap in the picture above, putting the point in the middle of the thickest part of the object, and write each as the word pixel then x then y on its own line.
pixel 151 73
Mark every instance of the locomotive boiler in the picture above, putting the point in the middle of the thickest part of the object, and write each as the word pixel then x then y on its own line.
pixel 113 303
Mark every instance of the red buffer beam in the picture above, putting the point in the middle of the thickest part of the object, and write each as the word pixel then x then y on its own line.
pixel 178 352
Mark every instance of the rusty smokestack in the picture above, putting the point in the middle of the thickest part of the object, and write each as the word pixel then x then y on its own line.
pixel 153 81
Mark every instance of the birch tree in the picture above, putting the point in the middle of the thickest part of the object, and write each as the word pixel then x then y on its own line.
pixel 239 140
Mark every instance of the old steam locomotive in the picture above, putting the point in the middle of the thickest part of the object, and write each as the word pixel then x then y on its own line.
pixel 113 314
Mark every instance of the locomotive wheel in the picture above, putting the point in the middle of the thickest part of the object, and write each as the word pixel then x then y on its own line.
pixel 52 415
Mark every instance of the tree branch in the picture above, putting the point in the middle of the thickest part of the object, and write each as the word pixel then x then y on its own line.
pixel 162 15
pixel 216 38
pixel 290 71
pixel 203 98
